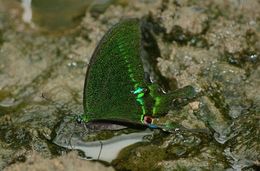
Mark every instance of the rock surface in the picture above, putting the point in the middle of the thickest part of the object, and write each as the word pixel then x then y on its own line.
pixel 213 45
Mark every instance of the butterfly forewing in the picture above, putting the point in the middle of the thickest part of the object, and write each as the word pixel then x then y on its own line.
pixel 115 71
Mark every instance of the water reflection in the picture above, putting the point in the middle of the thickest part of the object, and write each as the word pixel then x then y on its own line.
pixel 100 145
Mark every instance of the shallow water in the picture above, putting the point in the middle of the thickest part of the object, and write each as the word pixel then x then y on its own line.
pixel 54 16
pixel 105 150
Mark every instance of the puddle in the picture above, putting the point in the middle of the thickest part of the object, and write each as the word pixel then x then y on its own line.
pixel 100 149
pixel 54 15
pixel 59 15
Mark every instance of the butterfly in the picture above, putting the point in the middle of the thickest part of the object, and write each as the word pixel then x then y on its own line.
pixel 123 89
pixel 122 85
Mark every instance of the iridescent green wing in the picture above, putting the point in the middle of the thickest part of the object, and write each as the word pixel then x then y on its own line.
pixel 115 75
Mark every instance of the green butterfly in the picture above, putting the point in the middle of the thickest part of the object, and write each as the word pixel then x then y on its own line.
pixel 121 85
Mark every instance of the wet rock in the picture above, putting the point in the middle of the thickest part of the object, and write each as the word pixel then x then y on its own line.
pixel 162 151
pixel 67 163
pixel 229 77
pixel 212 116
pixel 252 86
pixel 248 60
pixel 243 150
pixel 203 161
pixel 192 19
pixel 186 63
pixel 228 37
pixel 212 45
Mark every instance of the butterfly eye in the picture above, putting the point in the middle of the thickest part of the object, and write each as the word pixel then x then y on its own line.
pixel 148 119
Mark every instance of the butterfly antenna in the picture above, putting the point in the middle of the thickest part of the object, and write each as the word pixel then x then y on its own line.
pixel 101 144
